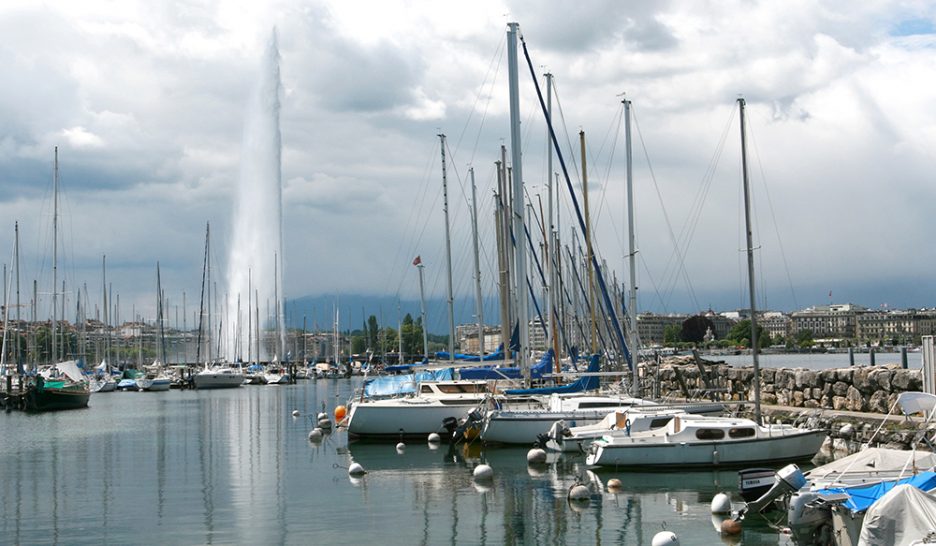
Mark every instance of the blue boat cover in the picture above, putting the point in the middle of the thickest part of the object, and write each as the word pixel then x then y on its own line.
pixel 544 366
pixel 398 368
pixel 861 497
pixel 581 384
pixel 390 385
pixel 496 355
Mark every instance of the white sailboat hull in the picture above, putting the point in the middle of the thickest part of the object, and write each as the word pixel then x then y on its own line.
pixel 157 384
pixel 524 427
pixel 661 453
pixel 218 380
pixel 389 419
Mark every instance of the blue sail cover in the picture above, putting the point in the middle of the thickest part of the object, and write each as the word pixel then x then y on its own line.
pixel 861 497
pixel 500 372
pixel 581 384
pixel 390 385
pixel 496 355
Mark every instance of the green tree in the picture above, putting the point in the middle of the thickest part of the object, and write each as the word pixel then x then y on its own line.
pixel 740 333
pixel 373 332
pixel 671 334
pixel 804 339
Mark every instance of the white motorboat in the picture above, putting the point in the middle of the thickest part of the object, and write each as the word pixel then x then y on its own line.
pixel 697 441
pixel 220 377
pixel 564 438
pixel 417 415
pixel 156 383
pixel 504 425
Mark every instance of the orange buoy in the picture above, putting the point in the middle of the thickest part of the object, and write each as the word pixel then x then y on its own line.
pixel 340 412
pixel 731 527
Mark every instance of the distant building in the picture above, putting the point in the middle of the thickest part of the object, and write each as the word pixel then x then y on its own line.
pixel 467 337
pixel 650 326
pixel 828 321
pixel 904 326
pixel 775 323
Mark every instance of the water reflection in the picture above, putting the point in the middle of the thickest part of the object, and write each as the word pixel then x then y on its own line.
pixel 236 467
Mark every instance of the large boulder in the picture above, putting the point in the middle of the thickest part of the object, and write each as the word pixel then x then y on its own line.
pixel 854 401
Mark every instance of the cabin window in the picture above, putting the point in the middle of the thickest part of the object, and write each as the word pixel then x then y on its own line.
pixel 657 423
pixel 426 389
pixel 710 434
pixel 741 432
pixel 450 389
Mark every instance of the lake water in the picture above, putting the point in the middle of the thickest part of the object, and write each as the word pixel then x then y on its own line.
pixel 234 467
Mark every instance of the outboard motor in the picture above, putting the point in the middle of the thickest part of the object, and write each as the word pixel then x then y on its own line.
pixel 450 424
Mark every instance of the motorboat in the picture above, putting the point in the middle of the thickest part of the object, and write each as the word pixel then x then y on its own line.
pixel 698 441
pixel 218 377
pixel 417 414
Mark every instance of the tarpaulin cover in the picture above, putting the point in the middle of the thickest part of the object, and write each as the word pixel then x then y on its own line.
pixel 904 516
pixel 390 385
pixel 544 366
pixel 861 497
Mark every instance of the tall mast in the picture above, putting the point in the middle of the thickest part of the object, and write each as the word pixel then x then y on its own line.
pixel 448 257
pixel 519 233
pixel 501 221
pixel 631 249
pixel 750 262
pixel 249 318
pixel 551 293
pixel 479 300
pixel 19 324
pixel 592 300
pixel 55 183
pixel 422 309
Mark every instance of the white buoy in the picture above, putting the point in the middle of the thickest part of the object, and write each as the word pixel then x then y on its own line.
pixel 579 492
pixel 321 415
pixel 356 470
pixel 324 424
pixel 536 456
pixel 614 485
pixel 483 472
pixel 434 438
pixel 721 504
pixel 400 447
pixel 315 435
pixel 665 538
pixel 295 413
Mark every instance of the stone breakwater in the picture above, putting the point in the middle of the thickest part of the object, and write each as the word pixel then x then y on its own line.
pixel 865 389
pixel 823 397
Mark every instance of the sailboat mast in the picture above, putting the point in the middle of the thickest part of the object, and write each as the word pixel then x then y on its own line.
pixel 749 240
pixel 479 300
pixel 448 256
pixel 55 183
pixel 631 249
pixel 19 324
pixel 422 310
pixel 592 300
pixel 519 233
pixel 551 293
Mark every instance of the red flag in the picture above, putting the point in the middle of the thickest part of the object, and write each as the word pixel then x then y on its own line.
pixel 417 260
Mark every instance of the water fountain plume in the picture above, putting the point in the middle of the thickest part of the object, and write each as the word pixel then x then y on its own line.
pixel 256 244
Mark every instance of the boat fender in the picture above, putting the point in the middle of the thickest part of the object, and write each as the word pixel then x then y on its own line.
pixel 295 413
pixel 721 504
pixel 483 473
pixel 434 438
pixel 614 485
pixel 536 455
pixel 665 538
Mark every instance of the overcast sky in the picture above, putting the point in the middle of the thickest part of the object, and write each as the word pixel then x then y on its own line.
pixel 146 102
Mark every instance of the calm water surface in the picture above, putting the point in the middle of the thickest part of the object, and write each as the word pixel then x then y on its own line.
pixel 233 466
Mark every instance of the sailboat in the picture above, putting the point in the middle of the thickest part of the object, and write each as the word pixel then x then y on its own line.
pixel 220 376
pixel 156 378
pixel 712 441
pixel 62 385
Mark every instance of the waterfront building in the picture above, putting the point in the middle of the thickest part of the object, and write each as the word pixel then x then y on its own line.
pixel 902 326
pixel 650 326
pixel 827 321
pixel 775 323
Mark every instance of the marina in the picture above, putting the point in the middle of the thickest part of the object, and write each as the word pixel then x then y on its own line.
pixel 218 413
pixel 234 466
